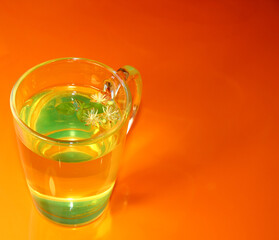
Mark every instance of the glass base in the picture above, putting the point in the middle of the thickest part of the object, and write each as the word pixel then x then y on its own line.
pixel 71 212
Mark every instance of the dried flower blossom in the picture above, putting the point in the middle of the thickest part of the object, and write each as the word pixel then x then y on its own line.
pixel 99 98
pixel 110 113
pixel 92 118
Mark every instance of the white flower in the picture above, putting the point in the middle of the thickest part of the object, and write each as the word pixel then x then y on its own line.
pixel 111 114
pixel 99 97
pixel 92 118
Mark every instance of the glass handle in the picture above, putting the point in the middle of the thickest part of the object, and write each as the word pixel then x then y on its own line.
pixel 133 80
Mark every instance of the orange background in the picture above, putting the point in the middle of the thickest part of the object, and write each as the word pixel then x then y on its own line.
pixel 201 161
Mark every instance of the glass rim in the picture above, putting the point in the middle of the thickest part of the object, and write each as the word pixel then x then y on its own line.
pixel 70 142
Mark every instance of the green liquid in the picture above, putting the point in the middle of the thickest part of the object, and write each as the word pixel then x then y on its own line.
pixel 71 184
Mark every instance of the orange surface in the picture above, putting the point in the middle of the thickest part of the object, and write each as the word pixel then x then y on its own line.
pixel 201 161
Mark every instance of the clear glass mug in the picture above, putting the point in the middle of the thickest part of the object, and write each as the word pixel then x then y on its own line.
pixel 70 165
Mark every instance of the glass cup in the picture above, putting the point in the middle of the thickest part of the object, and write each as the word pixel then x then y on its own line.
pixel 71 161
